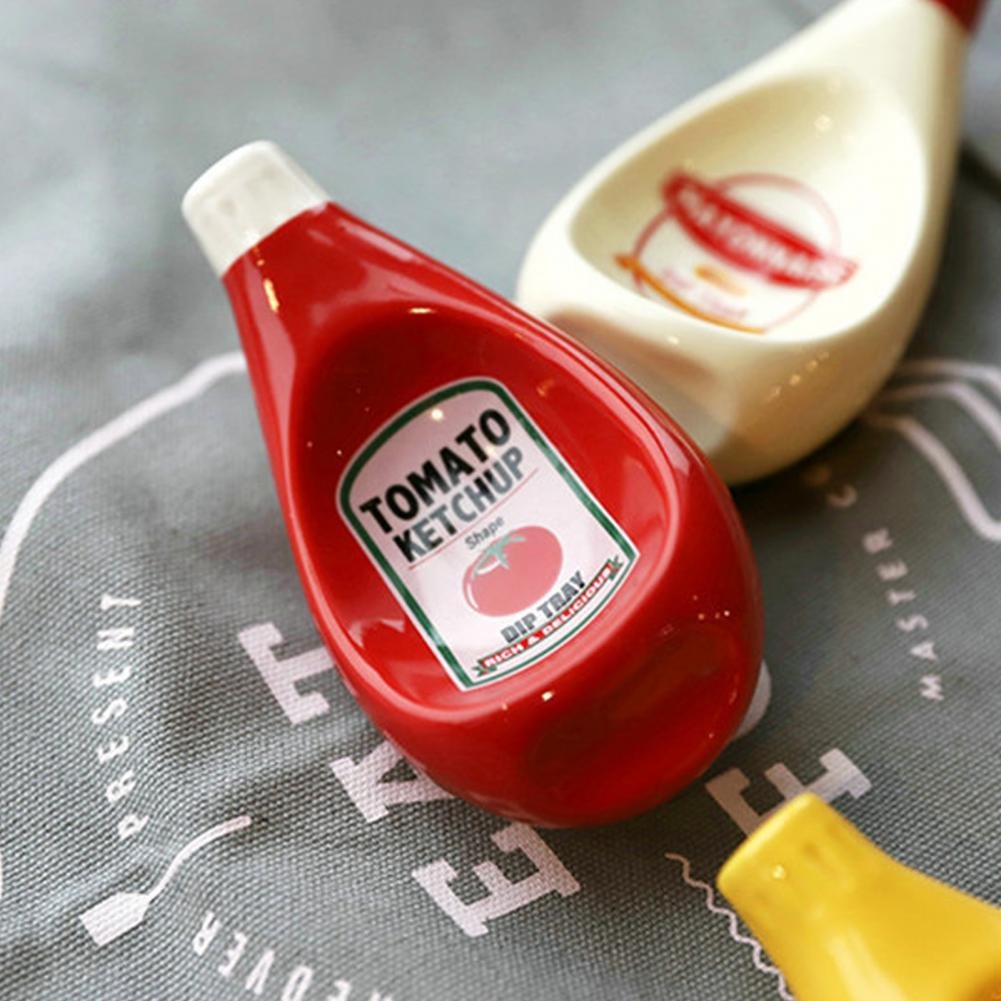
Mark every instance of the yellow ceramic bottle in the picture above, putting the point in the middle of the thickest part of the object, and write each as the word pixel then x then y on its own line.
pixel 845 922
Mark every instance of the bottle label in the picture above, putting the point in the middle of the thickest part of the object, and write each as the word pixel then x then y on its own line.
pixel 494 547
pixel 750 251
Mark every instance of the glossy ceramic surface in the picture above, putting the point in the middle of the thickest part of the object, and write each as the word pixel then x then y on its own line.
pixel 344 327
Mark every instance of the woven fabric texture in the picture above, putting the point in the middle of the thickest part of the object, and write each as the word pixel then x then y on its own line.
pixel 180 764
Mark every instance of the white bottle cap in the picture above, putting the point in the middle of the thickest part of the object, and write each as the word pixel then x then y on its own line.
pixel 248 194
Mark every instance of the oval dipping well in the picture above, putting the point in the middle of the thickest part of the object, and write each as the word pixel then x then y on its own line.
pixel 832 159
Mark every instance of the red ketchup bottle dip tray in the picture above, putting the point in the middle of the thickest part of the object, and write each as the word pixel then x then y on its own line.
pixel 530 579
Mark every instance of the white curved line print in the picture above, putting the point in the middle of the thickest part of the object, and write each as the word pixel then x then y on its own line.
pixel 200 378
pixel 974 370
pixel 759 704
pixel 735 933
pixel 981 409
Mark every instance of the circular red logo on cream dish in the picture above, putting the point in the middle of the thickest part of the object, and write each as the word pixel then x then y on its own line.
pixel 748 251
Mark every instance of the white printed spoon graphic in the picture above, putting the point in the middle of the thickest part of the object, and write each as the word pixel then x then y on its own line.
pixel 757 259
pixel 125 910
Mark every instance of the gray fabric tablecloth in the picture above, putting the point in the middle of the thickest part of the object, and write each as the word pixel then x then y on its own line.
pixel 178 758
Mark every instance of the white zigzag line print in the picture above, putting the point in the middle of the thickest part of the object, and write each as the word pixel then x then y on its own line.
pixel 735 933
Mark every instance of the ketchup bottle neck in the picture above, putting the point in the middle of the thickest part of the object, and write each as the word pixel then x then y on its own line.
pixel 245 197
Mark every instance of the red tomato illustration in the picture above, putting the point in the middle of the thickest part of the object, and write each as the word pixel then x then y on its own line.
pixel 513 572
